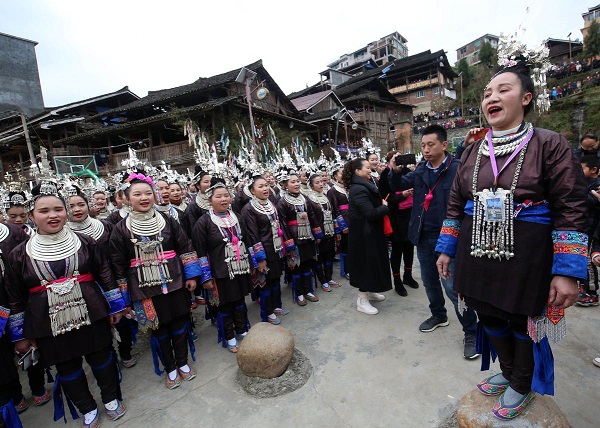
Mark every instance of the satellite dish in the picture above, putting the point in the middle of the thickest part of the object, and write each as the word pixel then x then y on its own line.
pixel 355 126
pixel 262 93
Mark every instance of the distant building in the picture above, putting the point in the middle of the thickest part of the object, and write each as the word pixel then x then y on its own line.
pixel 382 51
pixel 593 14
pixel 563 51
pixel 470 51
pixel 20 88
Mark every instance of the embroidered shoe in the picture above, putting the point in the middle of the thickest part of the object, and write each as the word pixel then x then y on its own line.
pixel 326 287
pixel 94 423
pixel 334 284
pixel 39 401
pixel 274 321
pixel 234 347
pixel 23 405
pixel 187 375
pixel 302 302
pixel 129 363
pixel 311 297
pixel 587 300
pixel 504 412
pixel 172 384
pixel 281 312
pixel 200 300
pixel 487 387
pixel 113 415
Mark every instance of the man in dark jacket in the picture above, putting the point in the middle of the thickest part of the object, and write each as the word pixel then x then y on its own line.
pixel 431 181
pixel 589 145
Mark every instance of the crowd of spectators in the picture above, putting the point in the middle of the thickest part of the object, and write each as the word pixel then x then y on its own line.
pixel 560 71
pixel 446 114
pixel 573 86
pixel 461 122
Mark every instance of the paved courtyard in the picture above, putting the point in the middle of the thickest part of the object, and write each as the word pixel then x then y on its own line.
pixel 369 371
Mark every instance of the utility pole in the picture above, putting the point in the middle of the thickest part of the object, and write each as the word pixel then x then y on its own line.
pixel 570 55
pixel 27 139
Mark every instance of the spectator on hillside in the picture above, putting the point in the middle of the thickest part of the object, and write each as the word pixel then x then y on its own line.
pixel 588 145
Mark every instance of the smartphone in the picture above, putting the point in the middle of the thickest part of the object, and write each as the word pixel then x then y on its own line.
pixel 30 358
pixel 480 134
pixel 408 159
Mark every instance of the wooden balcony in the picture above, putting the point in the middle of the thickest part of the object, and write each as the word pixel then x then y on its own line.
pixel 415 86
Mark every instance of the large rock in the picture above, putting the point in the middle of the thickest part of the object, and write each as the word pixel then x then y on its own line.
pixel 475 411
pixel 266 351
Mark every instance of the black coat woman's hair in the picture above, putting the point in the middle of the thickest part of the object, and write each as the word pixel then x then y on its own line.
pixel 349 169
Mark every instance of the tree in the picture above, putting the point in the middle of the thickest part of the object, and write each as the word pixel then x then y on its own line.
pixel 467 73
pixel 487 55
pixel 592 40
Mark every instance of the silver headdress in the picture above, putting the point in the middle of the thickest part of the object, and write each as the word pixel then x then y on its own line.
pixel 511 51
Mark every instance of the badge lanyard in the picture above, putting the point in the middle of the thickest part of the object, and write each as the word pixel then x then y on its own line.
pixel 429 195
pixel 510 158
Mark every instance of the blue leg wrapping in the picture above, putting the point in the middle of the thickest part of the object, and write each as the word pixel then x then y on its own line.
pixel 10 416
pixel 157 353
pixel 484 346
pixel 244 309
pixel 543 369
pixel 59 405
pixel 265 295
pixel 112 358
pixel 187 329
pixel 343 264
pixel 221 338
pixel 308 276
pixel 295 279
pixel 277 289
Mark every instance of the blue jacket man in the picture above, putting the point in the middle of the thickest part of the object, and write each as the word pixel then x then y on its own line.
pixel 431 182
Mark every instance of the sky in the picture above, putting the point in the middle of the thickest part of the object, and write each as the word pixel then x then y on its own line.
pixel 88 48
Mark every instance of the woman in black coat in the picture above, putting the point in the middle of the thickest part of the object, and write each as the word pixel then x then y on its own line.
pixel 367 245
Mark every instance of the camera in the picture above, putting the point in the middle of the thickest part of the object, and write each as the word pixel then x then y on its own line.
pixel 404 160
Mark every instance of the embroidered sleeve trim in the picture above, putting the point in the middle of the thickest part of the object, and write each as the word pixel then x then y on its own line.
pixel 570 254
pixel 448 240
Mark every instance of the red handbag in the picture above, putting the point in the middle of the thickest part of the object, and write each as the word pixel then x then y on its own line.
pixel 387 226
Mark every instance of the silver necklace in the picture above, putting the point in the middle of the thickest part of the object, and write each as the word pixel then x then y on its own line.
pixel 323 202
pixel 294 200
pixel 337 186
pixel 148 223
pixel 90 226
pixel 506 144
pixel 4 231
pixel 236 256
pixel 50 248
pixel 266 207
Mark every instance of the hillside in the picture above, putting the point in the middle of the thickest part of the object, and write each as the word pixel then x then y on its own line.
pixel 574 115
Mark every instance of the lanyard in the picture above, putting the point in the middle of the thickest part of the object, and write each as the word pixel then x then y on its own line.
pixel 429 196
pixel 510 158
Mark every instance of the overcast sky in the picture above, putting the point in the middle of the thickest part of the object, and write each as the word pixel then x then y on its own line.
pixel 87 48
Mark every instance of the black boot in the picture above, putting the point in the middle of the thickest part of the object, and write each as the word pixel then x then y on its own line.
pixel 399 286
pixel 409 280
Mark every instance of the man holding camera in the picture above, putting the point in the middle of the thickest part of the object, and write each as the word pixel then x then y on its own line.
pixel 431 182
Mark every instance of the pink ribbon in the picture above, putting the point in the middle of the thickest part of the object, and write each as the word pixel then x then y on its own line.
pixel 140 176
pixel 165 256
pixel 235 241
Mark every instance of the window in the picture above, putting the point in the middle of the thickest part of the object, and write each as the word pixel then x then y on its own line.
pixel 421 94
pixel 477 43
pixel 436 90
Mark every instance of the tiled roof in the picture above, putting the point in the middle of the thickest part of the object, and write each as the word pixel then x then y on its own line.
pixel 156 118
pixel 308 101
pixel 166 96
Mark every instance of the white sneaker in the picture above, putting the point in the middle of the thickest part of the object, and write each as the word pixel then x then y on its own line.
pixel 363 304
pixel 596 361
pixel 376 297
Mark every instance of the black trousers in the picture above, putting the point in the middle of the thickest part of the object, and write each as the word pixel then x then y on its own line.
pixel 235 316
pixel 270 298
pixel 104 368
pixel 302 278
pixel 402 250
pixel 515 353
pixel 324 266
pixel 173 342
pixel 124 346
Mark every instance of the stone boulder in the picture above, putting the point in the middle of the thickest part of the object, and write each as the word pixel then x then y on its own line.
pixel 475 411
pixel 266 351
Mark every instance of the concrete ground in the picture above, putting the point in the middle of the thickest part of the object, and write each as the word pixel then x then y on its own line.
pixel 369 371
